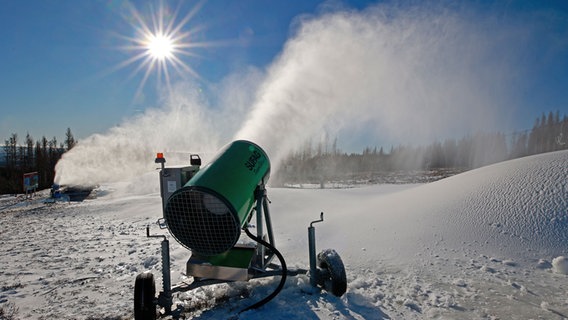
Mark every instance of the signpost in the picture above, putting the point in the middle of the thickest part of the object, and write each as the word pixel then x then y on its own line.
pixel 31 183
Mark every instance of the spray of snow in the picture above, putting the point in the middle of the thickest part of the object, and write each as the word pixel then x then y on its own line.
pixel 127 150
pixel 560 265
pixel 186 124
pixel 408 74
pixel 405 74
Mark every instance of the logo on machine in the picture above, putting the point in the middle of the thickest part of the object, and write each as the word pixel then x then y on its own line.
pixel 253 163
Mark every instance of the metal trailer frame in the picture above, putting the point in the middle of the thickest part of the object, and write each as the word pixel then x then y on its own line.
pixel 326 269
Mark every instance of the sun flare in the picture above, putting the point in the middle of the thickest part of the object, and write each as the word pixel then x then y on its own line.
pixel 161 45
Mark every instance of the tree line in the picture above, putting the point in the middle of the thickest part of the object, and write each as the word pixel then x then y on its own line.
pixel 39 156
pixel 324 162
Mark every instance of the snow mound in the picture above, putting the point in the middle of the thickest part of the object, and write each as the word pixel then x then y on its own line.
pixel 515 209
pixel 431 249
pixel 560 265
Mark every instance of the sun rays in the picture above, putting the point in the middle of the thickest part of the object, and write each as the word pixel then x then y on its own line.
pixel 161 45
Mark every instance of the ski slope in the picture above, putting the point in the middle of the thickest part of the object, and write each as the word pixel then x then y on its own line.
pixel 486 244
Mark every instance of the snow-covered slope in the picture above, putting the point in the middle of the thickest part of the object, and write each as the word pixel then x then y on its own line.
pixel 485 244
pixel 515 209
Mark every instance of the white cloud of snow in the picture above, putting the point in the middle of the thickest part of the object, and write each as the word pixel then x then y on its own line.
pixel 560 265
pixel 407 73
pixel 389 73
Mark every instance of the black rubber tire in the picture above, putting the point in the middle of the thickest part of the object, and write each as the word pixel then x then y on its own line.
pixel 335 279
pixel 144 297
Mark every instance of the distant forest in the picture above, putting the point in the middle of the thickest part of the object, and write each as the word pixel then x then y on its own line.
pixel 31 156
pixel 324 163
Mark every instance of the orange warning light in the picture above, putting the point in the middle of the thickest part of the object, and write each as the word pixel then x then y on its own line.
pixel 160 159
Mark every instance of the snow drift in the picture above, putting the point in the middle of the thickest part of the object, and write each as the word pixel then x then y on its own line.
pixel 516 209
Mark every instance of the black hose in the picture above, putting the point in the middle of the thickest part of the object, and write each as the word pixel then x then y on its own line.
pixel 282 279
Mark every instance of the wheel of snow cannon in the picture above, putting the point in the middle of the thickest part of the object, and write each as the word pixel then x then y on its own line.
pixel 144 297
pixel 334 279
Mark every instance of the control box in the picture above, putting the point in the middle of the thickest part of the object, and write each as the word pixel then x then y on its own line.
pixel 173 178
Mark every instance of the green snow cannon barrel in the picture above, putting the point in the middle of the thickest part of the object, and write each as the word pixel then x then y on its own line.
pixel 206 215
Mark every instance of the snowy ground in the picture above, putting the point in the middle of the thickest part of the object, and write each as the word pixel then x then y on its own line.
pixel 486 244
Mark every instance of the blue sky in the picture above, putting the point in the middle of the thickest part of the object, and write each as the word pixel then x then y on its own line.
pixel 59 59
pixel 58 55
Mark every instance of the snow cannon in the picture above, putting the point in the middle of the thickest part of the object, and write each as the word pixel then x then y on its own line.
pixel 209 211
pixel 207 214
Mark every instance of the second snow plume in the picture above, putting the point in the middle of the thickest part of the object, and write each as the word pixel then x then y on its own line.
pixel 128 150
pixel 410 74
pixel 185 124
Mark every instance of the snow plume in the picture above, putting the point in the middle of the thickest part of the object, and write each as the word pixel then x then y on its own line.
pixel 128 150
pixel 407 74
pixel 560 265
pixel 391 73
pixel 184 125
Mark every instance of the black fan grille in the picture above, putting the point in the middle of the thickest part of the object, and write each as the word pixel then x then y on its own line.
pixel 201 222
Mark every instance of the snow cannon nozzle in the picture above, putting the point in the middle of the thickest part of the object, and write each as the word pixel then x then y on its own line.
pixel 207 214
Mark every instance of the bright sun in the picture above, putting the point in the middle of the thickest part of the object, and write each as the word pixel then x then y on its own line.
pixel 160 47
pixel 159 44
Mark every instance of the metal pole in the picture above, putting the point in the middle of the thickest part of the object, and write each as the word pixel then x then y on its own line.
pixel 312 249
pixel 259 195
pixel 166 276
pixel 165 297
pixel 268 221
pixel 314 274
